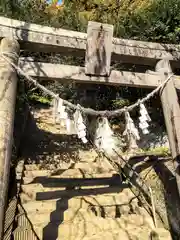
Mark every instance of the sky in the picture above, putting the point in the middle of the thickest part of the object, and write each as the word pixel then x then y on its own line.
pixel 50 1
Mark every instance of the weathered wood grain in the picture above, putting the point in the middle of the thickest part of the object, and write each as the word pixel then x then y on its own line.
pixel 171 109
pixel 42 38
pixel 98 49
pixel 48 71
pixel 8 83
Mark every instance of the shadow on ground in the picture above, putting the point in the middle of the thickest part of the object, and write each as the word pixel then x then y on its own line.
pixel 167 179
pixel 43 146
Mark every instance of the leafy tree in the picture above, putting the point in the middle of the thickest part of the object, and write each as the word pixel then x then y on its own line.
pixel 151 20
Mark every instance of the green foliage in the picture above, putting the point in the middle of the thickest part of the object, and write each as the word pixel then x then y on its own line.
pixel 38 98
pixel 164 151
pixel 155 20
pixel 151 20
pixel 119 103
pixel 160 22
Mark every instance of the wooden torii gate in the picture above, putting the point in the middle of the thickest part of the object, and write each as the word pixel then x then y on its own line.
pixel 99 48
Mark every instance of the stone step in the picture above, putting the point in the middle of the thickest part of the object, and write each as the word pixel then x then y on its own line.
pixel 56 181
pixel 41 194
pixel 111 195
pixel 122 234
pixel 66 182
pixel 86 226
pixel 57 216
pixel 35 192
pixel 24 198
pixel 85 156
pixel 90 153
pixel 77 173
pixel 36 207
pixel 106 204
pixel 97 205
pixel 65 215
pixel 39 176
pixel 92 166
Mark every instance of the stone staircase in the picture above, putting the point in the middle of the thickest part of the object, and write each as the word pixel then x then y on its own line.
pixel 78 200
pixel 80 203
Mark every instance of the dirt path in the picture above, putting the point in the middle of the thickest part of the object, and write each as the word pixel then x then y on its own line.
pixel 68 192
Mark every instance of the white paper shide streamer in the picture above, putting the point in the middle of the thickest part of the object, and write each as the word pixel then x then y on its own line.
pixel 144 119
pixel 104 135
pixel 60 113
pixel 131 132
pixel 80 126
pixel 55 104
